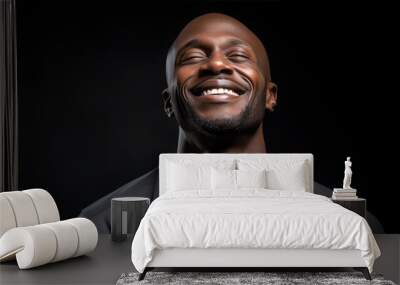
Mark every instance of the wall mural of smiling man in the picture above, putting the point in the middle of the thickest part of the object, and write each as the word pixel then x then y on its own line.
pixel 219 88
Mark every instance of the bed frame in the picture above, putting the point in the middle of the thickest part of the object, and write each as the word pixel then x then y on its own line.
pixel 250 258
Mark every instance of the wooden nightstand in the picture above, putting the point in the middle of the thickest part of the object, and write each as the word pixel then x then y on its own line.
pixel 358 205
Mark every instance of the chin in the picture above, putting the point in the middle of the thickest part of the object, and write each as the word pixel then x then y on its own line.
pixel 224 125
pixel 219 118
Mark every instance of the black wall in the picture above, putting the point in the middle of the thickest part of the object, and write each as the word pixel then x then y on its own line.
pixel 91 74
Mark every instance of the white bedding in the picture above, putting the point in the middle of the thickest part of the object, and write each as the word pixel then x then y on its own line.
pixel 251 218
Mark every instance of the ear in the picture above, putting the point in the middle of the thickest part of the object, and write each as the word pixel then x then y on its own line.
pixel 271 96
pixel 167 103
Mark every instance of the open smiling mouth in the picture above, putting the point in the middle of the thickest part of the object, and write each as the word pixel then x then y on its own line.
pixel 218 87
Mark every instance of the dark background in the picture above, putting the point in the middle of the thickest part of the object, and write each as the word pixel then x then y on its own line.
pixel 90 77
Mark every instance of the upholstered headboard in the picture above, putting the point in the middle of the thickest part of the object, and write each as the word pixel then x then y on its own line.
pixel 209 159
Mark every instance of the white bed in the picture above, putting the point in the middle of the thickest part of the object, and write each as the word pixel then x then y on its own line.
pixel 229 218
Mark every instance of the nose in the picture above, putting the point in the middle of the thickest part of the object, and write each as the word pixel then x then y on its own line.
pixel 216 64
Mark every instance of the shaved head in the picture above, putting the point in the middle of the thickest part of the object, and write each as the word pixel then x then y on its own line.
pixel 211 22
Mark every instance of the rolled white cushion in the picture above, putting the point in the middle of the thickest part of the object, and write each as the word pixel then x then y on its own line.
pixel 7 218
pixel 23 208
pixel 45 205
pixel 67 239
pixel 26 208
pixel 40 244
pixel 33 246
pixel 87 234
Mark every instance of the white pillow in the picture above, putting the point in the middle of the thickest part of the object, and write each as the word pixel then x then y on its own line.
pixel 280 174
pixel 223 179
pixel 251 178
pixel 187 177
pixel 227 179
pixel 289 179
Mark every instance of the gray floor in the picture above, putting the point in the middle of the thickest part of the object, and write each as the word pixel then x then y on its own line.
pixel 389 262
pixel 110 260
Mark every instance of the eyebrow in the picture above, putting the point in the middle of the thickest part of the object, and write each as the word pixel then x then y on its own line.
pixel 189 44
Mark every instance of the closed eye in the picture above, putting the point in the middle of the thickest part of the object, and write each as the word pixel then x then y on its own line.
pixel 238 56
pixel 192 57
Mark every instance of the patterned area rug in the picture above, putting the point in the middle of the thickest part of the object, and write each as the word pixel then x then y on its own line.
pixel 269 278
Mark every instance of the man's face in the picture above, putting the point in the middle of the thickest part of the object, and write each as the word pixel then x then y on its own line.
pixel 218 84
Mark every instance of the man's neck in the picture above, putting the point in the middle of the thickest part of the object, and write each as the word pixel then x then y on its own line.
pixel 246 143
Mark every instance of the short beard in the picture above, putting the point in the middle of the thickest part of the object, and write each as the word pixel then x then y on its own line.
pixel 240 124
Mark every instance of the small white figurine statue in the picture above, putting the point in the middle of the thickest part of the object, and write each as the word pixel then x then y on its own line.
pixel 347 174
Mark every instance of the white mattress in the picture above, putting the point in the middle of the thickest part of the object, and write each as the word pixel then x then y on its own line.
pixel 252 218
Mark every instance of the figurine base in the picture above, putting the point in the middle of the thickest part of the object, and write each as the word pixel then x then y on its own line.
pixel 344 190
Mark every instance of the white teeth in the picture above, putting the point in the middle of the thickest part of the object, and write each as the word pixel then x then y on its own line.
pixel 219 91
